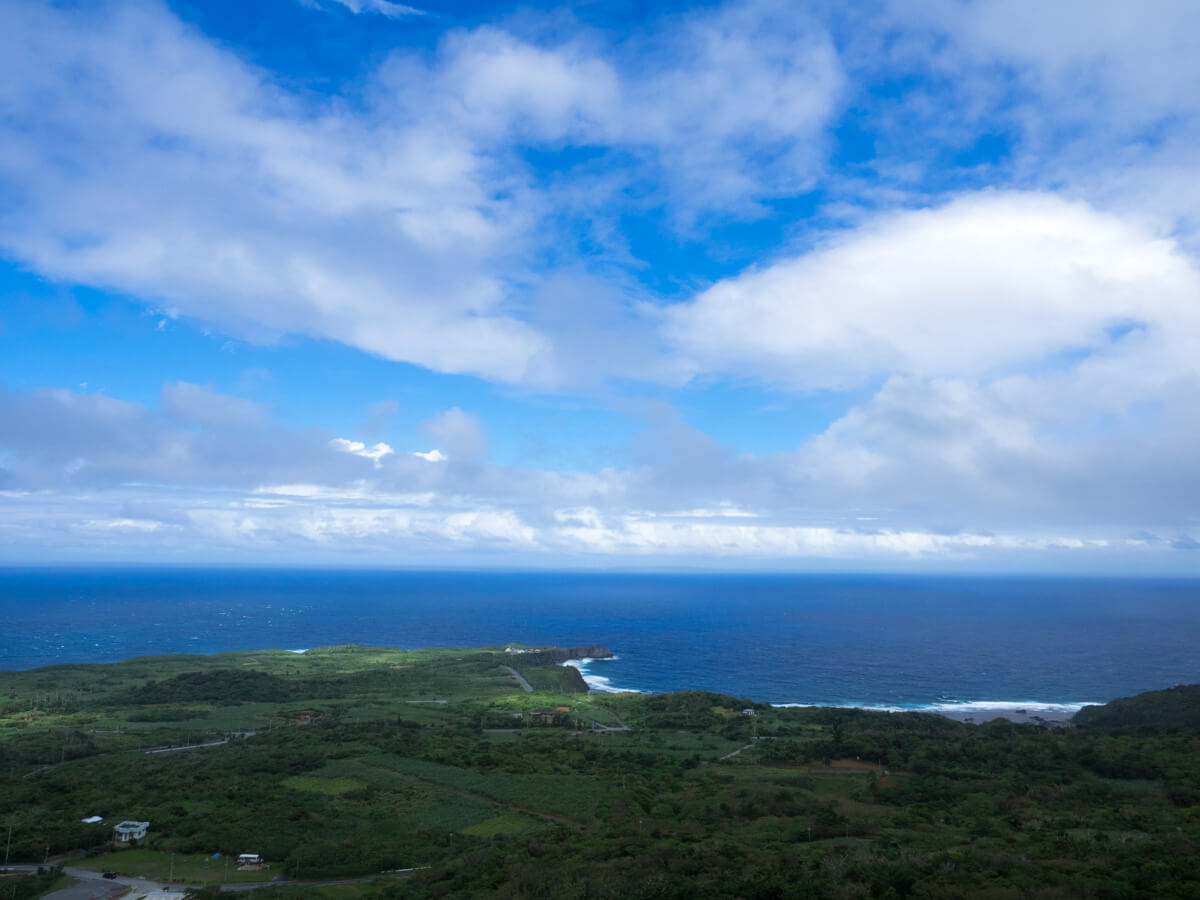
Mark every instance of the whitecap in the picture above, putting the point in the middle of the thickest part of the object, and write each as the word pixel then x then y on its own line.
pixel 598 683
pixel 1032 707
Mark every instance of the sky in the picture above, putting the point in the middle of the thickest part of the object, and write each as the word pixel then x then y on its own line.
pixel 877 286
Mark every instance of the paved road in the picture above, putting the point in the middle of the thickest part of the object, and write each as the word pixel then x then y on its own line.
pixel 94 886
pixel 188 747
pixel 520 678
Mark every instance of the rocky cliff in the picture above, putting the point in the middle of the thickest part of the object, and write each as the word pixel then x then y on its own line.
pixel 558 655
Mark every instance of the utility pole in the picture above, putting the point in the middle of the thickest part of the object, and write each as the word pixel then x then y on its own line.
pixel 171 872
pixel 8 847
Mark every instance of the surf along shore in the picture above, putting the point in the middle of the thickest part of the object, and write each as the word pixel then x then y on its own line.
pixel 978 712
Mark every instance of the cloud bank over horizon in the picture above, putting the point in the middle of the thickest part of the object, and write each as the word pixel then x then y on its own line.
pixel 736 286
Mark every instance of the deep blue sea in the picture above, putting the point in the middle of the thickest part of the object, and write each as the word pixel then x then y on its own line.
pixel 885 641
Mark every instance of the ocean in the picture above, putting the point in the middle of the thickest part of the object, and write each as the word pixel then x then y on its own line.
pixel 896 642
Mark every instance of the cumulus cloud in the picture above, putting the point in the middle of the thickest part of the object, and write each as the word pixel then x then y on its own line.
pixel 433 455
pixel 375 452
pixel 1024 358
pixel 987 283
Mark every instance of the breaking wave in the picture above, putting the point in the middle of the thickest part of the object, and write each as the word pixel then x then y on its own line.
pixel 598 683
pixel 1027 707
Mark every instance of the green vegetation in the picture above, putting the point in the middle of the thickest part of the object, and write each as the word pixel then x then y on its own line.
pixel 348 762
pixel 1176 710
pixel 31 885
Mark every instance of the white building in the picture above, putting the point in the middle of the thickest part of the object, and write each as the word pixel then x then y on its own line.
pixel 130 831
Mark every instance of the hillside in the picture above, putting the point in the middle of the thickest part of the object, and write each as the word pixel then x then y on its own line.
pixel 1175 710
pixel 351 761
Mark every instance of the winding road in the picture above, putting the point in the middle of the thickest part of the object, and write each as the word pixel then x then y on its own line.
pixel 520 678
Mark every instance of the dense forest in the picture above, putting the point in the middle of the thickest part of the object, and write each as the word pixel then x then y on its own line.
pixel 355 762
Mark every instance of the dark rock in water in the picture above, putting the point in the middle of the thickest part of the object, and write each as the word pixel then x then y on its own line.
pixel 557 655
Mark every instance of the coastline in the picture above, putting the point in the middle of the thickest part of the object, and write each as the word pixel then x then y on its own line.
pixel 975 712
pixel 1055 714
pixel 599 684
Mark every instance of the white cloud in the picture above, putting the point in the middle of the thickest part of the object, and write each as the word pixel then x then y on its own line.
pixel 725 107
pixel 1102 58
pixel 131 524
pixel 195 179
pixel 1094 97
pixel 1024 361
pixel 406 223
pixel 908 475
pixel 497 85
pixel 55 439
pixel 1076 449
pixel 724 511
pixel 741 105
pixel 984 284
pixel 637 536
pixel 460 433
pixel 201 405
pixel 375 452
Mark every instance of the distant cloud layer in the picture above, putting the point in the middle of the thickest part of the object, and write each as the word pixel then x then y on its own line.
pixel 965 233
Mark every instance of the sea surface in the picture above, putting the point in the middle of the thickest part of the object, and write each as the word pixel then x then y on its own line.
pixel 911 642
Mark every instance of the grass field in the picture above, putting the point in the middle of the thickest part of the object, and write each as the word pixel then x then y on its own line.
pixel 156 865
pixel 572 796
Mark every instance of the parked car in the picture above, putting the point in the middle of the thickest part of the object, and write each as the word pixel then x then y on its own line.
pixel 110 875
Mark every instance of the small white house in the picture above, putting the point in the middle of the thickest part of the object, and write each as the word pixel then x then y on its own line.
pixel 130 831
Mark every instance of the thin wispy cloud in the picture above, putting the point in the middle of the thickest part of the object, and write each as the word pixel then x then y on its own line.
pixel 382 7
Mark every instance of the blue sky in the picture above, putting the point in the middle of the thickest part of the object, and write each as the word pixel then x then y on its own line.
pixel 735 285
